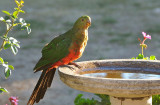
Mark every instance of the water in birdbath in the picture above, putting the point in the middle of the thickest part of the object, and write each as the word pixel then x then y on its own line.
pixel 122 73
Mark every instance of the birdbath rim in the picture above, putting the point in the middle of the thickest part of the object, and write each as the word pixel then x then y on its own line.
pixel 94 63
pixel 110 86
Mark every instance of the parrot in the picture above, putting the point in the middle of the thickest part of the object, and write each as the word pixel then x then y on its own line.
pixel 62 50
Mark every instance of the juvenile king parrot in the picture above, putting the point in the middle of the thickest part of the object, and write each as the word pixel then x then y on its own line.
pixel 62 50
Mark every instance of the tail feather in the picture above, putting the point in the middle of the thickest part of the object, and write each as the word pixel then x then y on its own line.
pixel 43 83
pixel 47 83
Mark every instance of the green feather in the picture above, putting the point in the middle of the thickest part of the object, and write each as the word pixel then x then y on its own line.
pixel 57 49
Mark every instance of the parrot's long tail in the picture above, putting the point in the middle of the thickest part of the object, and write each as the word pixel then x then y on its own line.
pixel 43 83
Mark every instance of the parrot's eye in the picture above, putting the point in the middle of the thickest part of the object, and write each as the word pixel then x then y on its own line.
pixel 82 19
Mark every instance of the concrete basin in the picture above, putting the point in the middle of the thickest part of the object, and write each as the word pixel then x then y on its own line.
pixel 121 91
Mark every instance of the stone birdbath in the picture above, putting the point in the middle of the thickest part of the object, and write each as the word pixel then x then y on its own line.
pixel 136 87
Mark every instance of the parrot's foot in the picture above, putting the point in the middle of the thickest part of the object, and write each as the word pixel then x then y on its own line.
pixel 75 64
pixel 72 68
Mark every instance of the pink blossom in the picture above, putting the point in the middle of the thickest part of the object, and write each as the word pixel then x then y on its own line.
pixel 146 36
pixel 13 100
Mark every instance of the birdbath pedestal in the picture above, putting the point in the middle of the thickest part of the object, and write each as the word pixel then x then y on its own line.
pixel 121 91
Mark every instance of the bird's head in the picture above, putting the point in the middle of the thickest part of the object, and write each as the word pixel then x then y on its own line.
pixel 83 22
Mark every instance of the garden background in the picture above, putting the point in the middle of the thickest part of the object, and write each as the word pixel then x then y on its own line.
pixel 116 27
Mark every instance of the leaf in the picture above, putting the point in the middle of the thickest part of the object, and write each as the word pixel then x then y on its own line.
pixel 6 17
pixel 15 14
pixel 17 2
pixel 21 20
pixel 140 56
pixel 1 59
pixel 7 45
pixel 152 57
pixel 77 98
pixel 5 64
pixel 105 100
pixel 8 21
pixel 28 30
pixel 16 9
pixel 13 40
pixel 21 2
pixel 24 25
pixel 3 90
pixel 133 58
pixel 156 99
pixel 6 12
pixel 2 19
pixel 17 45
pixel 21 11
pixel 7 72
pixel 14 50
pixel 28 24
pixel 10 67
pixel 15 24
pixel 82 101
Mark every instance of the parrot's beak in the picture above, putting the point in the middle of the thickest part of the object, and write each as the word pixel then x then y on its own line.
pixel 89 22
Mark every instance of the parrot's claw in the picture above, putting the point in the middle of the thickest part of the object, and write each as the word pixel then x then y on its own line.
pixel 75 64
pixel 72 68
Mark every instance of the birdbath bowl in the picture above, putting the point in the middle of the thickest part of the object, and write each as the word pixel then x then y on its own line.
pixel 126 81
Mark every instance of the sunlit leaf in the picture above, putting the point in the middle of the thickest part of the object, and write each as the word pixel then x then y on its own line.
pixel 21 11
pixel 17 2
pixel 5 65
pixel 15 14
pixel 15 24
pixel 6 12
pixel 23 24
pixel 28 24
pixel 1 59
pixel 2 19
pixel 7 72
pixel 17 45
pixel 16 8
pixel 7 45
pixel 21 20
pixel 14 50
pixel 152 57
pixel 21 2
pixel 8 21
pixel 3 90
pixel 13 41
pixel 140 56
pixel 11 67
pixel 28 30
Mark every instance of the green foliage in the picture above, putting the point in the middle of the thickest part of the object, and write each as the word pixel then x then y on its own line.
pixel 105 100
pixel 11 20
pixel 7 68
pixel 140 56
pixel 82 101
pixel 156 99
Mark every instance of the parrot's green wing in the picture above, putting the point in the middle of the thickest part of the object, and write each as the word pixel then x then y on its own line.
pixel 57 49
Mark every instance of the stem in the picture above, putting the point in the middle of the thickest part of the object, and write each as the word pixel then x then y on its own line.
pixel 6 35
pixel 142 50
pixel 143 44
pixel 13 20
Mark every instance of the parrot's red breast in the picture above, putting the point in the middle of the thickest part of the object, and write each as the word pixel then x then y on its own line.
pixel 75 52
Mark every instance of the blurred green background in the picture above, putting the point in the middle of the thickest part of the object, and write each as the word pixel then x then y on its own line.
pixel 116 26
